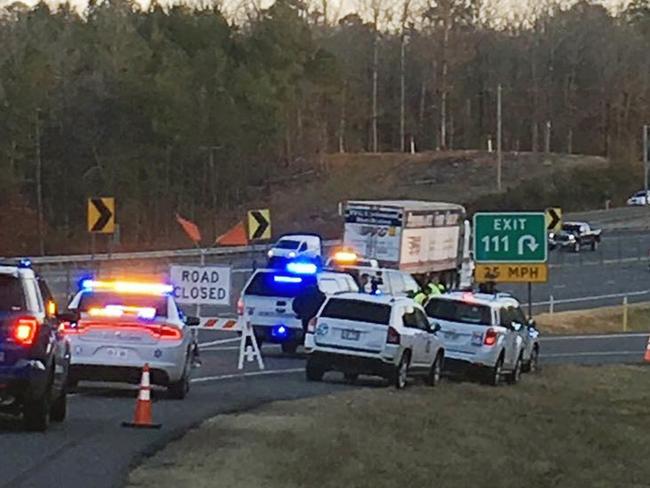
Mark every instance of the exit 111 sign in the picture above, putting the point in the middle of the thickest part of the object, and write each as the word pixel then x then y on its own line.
pixel 510 237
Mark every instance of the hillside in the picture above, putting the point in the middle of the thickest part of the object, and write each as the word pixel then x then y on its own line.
pixel 310 202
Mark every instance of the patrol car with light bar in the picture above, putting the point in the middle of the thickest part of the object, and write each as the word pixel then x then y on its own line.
pixel 486 331
pixel 267 300
pixel 115 327
pixel 34 356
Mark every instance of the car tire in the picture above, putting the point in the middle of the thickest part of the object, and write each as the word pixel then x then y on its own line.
pixel 532 365
pixel 435 372
pixel 576 247
pixel 289 347
pixel 515 375
pixel 350 377
pixel 179 389
pixel 495 373
pixel 59 408
pixel 314 371
pixel 400 372
pixel 594 245
pixel 36 413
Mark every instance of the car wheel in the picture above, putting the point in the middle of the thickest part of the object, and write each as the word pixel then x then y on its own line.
pixel 400 373
pixel 576 247
pixel 515 376
pixel 36 413
pixel 314 371
pixel 496 372
pixel 59 408
pixel 533 363
pixel 594 245
pixel 435 372
pixel 350 377
pixel 179 389
pixel 289 347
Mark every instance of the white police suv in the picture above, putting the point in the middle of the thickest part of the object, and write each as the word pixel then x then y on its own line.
pixel 267 300
pixel 380 335
pixel 488 331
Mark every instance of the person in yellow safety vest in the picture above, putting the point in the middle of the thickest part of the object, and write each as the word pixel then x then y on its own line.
pixel 434 289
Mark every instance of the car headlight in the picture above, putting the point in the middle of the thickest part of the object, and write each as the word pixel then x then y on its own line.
pixel 551 236
pixel 572 237
pixel 292 254
pixel 270 253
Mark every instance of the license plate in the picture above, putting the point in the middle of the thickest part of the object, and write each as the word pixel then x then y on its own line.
pixel 2 357
pixel 350 335
pixel 477 339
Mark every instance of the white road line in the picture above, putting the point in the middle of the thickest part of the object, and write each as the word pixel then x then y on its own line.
pixel 222 348
pixel 594 336
pixel 245 375
pixel 220 341
pixel 595 353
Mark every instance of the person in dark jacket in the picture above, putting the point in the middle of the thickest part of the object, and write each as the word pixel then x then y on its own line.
pixel 307 304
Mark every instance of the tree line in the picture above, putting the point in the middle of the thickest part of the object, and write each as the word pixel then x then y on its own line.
pixel 188 109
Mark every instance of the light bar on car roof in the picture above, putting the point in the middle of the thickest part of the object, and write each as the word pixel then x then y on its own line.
pixel 300 268
pixel 345 257
pixel 287 279
pixel 147 313
pixel 128 287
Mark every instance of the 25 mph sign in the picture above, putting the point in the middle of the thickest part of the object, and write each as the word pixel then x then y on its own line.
pixel 208 285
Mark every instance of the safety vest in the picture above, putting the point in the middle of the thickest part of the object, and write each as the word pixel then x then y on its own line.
pixel 434 290
pixel 420 297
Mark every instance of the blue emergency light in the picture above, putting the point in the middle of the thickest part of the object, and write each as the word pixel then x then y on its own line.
pixel 280 331
pixel 302 268
pixel 287 279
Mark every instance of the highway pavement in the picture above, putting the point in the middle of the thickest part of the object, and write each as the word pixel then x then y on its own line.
pixel 92 449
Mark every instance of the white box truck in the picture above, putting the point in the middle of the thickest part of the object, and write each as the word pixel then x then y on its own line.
pixel 418 237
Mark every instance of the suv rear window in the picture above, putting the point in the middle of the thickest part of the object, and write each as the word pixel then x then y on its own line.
pixel 90 300
pixel 266 285
pixel 357 310
pixel 456 311
pixel 12 296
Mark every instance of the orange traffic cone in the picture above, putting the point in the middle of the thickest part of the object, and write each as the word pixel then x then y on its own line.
pixel 646 358
pixel 142 419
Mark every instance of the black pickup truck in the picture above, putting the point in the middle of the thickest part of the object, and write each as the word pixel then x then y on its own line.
pixel 575 236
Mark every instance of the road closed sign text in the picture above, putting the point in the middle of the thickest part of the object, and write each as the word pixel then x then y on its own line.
pixel 208 285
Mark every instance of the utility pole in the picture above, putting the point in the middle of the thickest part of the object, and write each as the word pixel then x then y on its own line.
pixel 39 183
pixel 645 160
pixel 499 135
pixel 402 90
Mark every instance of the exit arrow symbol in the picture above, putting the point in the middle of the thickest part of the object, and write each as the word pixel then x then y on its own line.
pixel 529 241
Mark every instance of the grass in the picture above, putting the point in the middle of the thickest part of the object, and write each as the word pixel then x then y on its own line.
pixel 606 319
pixel 567 427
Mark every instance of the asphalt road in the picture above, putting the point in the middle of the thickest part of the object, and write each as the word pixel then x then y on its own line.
pixel 92 449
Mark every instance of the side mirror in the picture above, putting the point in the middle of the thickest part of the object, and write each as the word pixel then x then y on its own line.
pixel 192 321
pixel 71 316
pixel 435 327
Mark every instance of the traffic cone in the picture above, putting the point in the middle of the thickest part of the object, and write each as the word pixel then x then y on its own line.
pixel 142 418
pixel 646 358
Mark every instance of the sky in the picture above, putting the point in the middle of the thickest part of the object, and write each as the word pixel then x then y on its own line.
pixel 343 7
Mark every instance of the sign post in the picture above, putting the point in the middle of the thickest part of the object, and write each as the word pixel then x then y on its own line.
pixel 512 247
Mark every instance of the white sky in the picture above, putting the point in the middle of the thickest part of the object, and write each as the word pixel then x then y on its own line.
pixel 342 7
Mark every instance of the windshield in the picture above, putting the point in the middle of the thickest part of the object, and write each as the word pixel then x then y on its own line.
pixel 457 311
pixel 287 244
pixel 357 310
pixel 571 228
pixel 98 299
pixel 269 284
pixel 12 298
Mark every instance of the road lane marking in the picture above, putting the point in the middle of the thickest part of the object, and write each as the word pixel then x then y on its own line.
pixel 222 377
pixel 595 353
pixel 219 342
pixel 594 336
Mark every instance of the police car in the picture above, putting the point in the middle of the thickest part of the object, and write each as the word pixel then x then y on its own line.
pixel 357 333
pixel 34 356
pixel 489 331
pixel 268 295
pixel 115 327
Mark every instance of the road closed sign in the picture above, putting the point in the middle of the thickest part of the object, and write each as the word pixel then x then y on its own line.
pixel 207 285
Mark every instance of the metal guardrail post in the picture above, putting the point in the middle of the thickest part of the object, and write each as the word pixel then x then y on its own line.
pixel 625 313
pixel 551 305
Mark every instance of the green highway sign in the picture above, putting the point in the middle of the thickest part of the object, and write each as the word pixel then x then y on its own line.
pixel 510 237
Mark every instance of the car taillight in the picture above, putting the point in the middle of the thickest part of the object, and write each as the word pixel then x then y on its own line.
pixel 311 326
pixel 393 336
pixel 169 333
pixel 240 307
pixel 24 330
pixel 490 337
